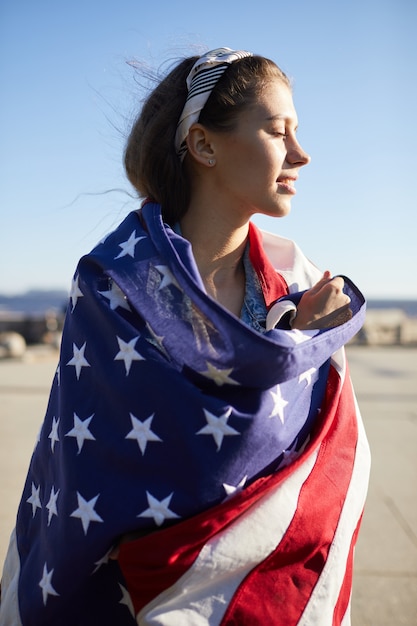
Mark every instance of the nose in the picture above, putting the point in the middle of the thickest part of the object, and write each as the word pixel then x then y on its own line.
pixel 296 155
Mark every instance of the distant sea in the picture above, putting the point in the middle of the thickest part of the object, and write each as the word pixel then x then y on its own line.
pixel 408 306
pixel 36 302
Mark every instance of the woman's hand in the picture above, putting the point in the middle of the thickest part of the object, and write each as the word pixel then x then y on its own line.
pixel 324 305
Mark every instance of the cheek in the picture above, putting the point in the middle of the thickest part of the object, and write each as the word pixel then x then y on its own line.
pixel 254 158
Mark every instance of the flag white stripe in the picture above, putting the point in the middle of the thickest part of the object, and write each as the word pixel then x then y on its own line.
pixel 346 619
pixel 9 605
pixel 319 609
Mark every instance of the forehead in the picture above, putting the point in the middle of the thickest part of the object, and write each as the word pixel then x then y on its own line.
pixel 275 100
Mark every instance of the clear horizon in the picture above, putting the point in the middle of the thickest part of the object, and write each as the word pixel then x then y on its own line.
pixel 46 290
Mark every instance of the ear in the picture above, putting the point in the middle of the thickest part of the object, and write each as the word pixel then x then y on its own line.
pixel 200 145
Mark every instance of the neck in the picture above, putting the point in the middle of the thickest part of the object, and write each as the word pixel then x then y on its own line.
pixel 218 248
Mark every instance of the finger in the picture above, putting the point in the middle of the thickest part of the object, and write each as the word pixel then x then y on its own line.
pixel 338 282
pixel 319 284
pixel 333 287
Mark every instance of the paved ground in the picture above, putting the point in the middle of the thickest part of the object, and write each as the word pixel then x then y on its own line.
pixel 385 580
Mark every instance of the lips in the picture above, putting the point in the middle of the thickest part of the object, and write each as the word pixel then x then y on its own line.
pixel 287 180
pixel 286 184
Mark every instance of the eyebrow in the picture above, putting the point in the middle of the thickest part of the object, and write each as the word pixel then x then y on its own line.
pixel 280 116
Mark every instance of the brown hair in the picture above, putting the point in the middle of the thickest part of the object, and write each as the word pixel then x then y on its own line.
pixel 152 164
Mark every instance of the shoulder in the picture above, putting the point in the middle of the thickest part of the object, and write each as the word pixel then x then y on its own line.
pixel 111 264
pixel 123 240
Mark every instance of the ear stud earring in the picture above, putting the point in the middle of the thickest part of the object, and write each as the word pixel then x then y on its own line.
pixel 211 161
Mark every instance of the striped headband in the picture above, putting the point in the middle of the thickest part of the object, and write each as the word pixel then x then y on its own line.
pixel 201 81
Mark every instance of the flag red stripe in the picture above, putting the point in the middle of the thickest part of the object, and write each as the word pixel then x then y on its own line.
pixel 277 591
pixel 273 284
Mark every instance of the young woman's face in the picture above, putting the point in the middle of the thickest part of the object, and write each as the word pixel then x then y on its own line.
pixel 258 163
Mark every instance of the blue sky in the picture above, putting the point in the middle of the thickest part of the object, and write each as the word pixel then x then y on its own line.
pixel 69 97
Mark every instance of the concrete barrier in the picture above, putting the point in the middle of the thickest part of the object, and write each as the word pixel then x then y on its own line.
pixel 387 327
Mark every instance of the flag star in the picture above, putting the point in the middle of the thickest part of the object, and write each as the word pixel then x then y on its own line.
pixel 51 506
pixel 46 585
pixel 75 293
pixel 78 360
pixel 141 431
pixel 167 277
pixel 127 600
pixel 156 340
pixel 231 490
pixel 307 376
pixel 103 561
pixel 34 499
pixel 289 455
pixel 116 297
pixel 218 427
pixel 219 376
pixel 53 435
pixel 85 511
pixel 128 246
pixel 127 353
pixel 279 404
pixel 159 510
pixel 38 436
pixel 80 431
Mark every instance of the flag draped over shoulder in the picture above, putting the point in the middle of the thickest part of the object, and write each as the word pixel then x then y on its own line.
pixel 239 456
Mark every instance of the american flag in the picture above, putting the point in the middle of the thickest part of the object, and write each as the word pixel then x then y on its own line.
pixel 239 457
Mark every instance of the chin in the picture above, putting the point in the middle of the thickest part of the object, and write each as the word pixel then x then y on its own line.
pixel 285 208
pixel 280 211
pixel 273 209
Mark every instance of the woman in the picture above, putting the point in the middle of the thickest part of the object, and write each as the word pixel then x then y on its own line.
pixel 202 459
